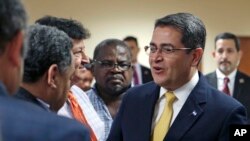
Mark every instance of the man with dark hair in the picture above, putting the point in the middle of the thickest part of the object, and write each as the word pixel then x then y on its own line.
pixel 112 69
pixel 227 78
pixel 141 74
pixel 179 104
pixel 20 120
pixel 78 105
pixel 78 33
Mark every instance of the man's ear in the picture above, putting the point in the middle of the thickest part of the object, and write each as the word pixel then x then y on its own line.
pixel 197 55
pixel 15 49
pixel 52 74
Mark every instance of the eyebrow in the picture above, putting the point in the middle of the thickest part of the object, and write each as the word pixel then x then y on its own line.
pixel 163 44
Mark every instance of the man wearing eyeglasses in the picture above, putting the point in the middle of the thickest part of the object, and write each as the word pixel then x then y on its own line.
pixel 113 74
pixel 179 104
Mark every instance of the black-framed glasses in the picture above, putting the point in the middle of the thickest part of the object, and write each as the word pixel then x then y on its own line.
pixel 123 66
pixel 167 49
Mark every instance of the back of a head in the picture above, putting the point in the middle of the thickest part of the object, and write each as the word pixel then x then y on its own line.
pixel 73 28
pixel 131 38
pixel 13 18
pixel 191 27
pixel 47 46
pixel 228 35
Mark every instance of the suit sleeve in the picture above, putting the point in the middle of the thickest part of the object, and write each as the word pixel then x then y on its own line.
pixel 236 116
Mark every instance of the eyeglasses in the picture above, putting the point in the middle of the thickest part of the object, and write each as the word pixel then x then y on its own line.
pixel 123 66
pixel 167 49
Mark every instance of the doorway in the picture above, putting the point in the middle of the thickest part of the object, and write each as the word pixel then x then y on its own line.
pixel 244 65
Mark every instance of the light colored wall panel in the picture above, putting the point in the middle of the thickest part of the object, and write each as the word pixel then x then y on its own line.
pixel 116 18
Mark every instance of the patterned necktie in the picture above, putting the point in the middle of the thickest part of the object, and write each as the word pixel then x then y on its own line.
pixel 135 76
pixel 78 114
pixel 162 126
pixel 225 86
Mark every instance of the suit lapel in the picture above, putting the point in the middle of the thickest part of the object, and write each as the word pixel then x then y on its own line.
pixel 213 80
pixel 27 96
pixel 238 84
pixel 190 112
pixel 151 96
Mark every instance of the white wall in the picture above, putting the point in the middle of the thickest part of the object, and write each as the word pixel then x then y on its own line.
pixel 116 18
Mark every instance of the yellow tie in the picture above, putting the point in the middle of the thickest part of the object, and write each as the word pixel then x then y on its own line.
pixel 162 126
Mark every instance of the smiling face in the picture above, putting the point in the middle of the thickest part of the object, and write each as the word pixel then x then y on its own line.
pixel 226 55
pixel 174 69
pixel 80 58
pixel 112 81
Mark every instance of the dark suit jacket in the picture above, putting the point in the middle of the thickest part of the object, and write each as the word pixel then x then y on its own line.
pixel 146 74
pixel 241 88
pixel 205 116
pixel 23 94
pixel 23 121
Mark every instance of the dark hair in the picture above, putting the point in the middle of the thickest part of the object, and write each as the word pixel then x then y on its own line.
pixel 227 35
pixel 13 18
pixel 73 28
pixel 131 38
pixel 47 46
pixel 191 27
pixel 110 42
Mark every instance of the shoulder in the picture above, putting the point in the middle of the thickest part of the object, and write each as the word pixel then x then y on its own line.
pixel 243 79
pixel 221 102
pixel 92 95
pixel 33 123
pixel 143 90
pixel 214 98
pixel 242 75
pixel 67 129
pixel 210 75
pixel 144 67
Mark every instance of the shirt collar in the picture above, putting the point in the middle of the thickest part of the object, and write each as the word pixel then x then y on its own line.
pixel 3 89
pixel 220 75
pixel 183 92
pixel 46 105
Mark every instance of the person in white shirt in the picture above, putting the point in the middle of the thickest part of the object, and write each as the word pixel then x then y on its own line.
pixel 227 55
pixel 141 73
pixel 179 104
pixel 78 33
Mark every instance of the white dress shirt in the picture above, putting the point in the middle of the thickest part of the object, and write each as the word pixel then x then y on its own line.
pixel 181 94
pixel 220 80
pixel 88 110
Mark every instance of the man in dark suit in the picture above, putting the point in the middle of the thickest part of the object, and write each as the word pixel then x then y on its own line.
pixel 20 120
pixel 227 55
pixel 179 102
pixel 48 67
pixel 142 74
